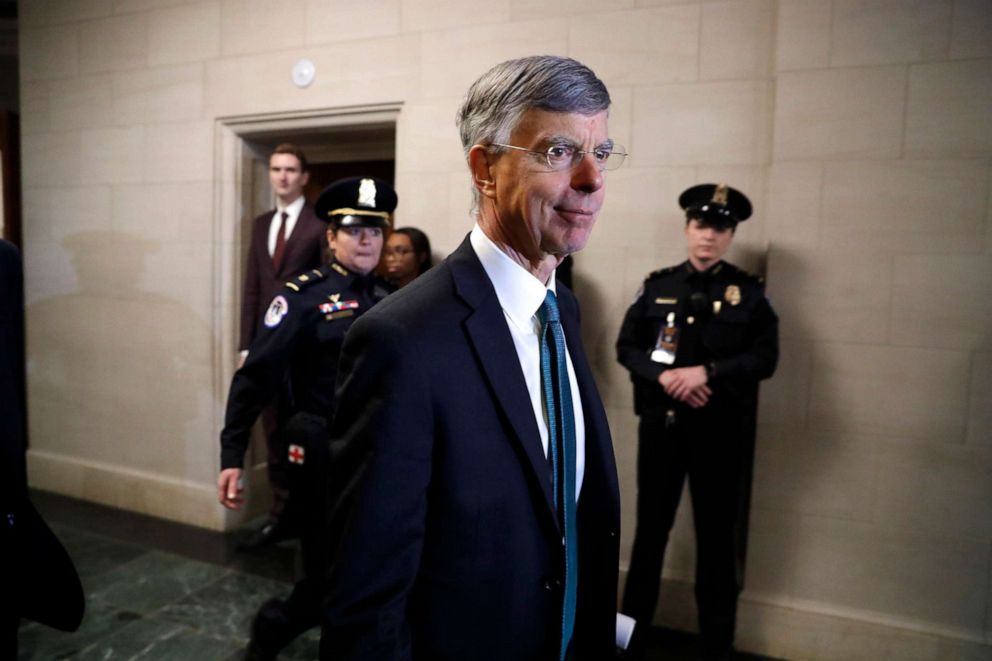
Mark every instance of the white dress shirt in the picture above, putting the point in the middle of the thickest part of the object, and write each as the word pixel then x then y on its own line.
pixel 521 295
pixel 293 209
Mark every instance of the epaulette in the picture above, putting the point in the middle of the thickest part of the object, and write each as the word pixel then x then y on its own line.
pixel 665 271
pixel 304 280
pixel 747 275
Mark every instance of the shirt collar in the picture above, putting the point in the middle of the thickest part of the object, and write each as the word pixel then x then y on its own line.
pixel 293 208
pixel 713 270
pixel 520 294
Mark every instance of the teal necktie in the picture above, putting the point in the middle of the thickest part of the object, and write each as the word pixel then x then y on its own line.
pixel 561 449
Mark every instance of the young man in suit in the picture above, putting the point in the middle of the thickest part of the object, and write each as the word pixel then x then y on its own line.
pixel 474 490
pixel 285 241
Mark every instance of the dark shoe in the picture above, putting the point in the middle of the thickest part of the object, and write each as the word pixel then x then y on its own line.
pixel 269 632
pixel 274 530
pixel 636 649
pixel 717 653
pixel 254 652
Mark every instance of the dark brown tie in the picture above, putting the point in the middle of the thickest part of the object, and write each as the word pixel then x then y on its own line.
pixel 280 250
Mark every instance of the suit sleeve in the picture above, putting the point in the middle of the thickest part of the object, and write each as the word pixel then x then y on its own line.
pixel 633 346
pixel 257 383
pixel 252 288
pixel 381 449
pixel 13 469
pixel 761 357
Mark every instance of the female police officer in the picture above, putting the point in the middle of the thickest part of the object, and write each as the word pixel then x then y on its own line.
pixel 298 343
pixel 697 340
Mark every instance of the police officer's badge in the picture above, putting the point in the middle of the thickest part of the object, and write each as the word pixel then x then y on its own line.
pixel 366 193
pixel 732 295
pixel 277 310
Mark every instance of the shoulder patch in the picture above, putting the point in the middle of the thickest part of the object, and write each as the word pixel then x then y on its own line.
pixel 277 310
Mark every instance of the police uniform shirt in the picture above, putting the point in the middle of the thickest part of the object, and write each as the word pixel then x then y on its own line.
pixel 299 340
pixel 724 323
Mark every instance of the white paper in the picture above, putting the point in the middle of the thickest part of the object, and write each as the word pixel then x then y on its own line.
pixel 625 629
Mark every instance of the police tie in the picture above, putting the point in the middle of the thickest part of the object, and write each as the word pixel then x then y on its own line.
pixel 280 249
pixel 561 449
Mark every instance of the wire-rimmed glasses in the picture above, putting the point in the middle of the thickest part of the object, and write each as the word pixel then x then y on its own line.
pixel 562 157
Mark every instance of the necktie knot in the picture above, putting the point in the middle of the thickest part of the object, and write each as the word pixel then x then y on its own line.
pixel 548 312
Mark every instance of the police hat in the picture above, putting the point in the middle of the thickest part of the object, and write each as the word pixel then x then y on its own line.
pixel 718 205
pixel 356 202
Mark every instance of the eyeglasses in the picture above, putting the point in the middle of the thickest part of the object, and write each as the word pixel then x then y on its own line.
pixel 561 158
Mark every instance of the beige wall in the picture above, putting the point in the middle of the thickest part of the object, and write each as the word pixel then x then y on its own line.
pixel 861 130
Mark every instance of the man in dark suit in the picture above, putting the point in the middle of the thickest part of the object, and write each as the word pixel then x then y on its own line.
pixel 284 242
pixel 39 580
pixel 476 508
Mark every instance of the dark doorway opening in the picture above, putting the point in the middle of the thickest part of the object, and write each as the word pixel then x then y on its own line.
pixel 322 174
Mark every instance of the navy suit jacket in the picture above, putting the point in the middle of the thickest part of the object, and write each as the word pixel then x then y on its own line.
pixel 39 580
pixel 441 503
pixel 304 251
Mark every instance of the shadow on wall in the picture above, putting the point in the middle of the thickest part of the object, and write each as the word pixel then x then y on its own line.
pixel 795 467
pixel 114 371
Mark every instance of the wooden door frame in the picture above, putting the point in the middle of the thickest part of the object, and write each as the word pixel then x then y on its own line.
pixel 239 143
pixel 10 162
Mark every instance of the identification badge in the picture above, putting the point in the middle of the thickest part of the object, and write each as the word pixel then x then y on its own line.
pixel 667 343
pixel 733 294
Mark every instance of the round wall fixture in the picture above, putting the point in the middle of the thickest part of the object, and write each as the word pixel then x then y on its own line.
pixel 303 73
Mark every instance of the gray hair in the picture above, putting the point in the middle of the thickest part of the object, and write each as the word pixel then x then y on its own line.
pixel 496 101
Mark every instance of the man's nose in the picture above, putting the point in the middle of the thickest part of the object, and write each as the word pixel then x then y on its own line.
pixel 587 175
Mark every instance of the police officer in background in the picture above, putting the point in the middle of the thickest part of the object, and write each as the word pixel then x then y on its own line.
pixel 298 344
pixel 697 341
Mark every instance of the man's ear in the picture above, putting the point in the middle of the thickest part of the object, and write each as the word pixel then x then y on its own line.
pixel 482 178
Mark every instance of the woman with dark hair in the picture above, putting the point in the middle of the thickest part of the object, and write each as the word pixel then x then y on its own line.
pixel 407 254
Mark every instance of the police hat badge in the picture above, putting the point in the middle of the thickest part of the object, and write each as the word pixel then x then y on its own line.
pixel 357 202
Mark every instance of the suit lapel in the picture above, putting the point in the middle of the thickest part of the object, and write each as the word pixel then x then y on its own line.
pixel 261 238
pixel 489 336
